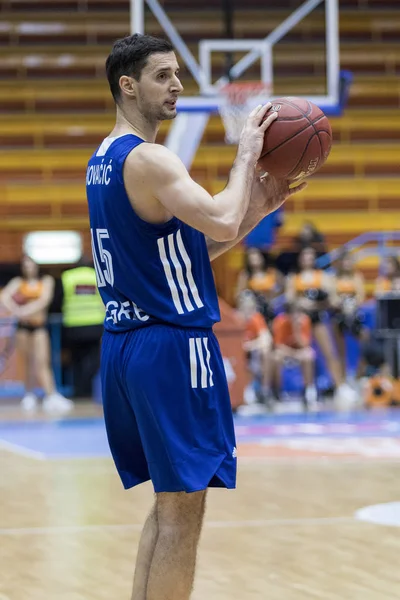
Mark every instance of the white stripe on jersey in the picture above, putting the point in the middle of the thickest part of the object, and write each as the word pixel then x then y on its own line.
pixel 174 272
pixel 168 275
pixel 179 273
pixel 193 363
pixel 188 265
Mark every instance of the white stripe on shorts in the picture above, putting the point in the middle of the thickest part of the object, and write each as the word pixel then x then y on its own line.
pixel 202 364
pixel 196 357
pixel 208 356
pixel 193 363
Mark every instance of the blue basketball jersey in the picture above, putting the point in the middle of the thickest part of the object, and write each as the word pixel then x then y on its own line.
pixel 146 273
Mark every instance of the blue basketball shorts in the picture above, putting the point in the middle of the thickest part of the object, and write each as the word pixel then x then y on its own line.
pixel 167 409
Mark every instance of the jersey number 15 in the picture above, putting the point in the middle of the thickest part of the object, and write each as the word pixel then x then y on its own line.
pixel 104 271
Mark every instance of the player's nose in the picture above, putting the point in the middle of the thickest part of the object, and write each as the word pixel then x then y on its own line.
pixel 177 86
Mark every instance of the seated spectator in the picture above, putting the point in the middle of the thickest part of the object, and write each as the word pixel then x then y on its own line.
pixel 390 277
pixel 313 291
pixel 257 344
pixel 292 335
pixel 350 293
pixel 263 279
pixel 310 237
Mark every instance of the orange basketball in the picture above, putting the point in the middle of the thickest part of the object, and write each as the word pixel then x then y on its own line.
pixel 298 143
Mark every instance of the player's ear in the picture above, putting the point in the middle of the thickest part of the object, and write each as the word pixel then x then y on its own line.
pixel 128 85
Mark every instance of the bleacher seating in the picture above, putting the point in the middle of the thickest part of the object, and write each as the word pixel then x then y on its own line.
pixel 55 107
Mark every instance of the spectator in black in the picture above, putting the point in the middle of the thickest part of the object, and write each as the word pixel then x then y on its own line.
pixel 310 237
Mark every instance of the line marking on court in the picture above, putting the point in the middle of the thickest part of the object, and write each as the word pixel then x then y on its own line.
pixel 208 524
pixel 21 451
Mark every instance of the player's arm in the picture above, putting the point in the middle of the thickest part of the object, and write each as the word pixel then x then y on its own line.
pixel 7 293
pixel 379 286
pixel 153 174
pixel 290 291
pixel 267 195
pixel 329 285
pixel 262 342
pixel 42 302
pixel 279 339
pixel 360 288
pixel 300 334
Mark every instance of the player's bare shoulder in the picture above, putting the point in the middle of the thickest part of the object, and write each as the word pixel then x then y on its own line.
pixel 147 168
pixel 151 162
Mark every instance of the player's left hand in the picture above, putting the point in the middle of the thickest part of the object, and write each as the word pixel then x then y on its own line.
pixel 270 193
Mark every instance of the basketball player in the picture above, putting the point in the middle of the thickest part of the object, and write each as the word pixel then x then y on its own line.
pixel 154 231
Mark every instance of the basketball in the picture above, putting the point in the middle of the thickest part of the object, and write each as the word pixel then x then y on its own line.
pixel 298 142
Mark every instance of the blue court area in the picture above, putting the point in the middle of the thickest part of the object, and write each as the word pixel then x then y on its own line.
pixel 86 437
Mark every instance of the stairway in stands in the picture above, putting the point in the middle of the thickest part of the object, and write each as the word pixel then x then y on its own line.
pixel 55 107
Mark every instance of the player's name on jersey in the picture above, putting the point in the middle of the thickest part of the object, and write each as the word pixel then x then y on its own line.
pixel 99 174
pixel 116 311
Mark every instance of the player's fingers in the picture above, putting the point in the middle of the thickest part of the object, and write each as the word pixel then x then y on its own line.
pixel 255 111
pixel 260 170
pixel 298 188
pixel 268 121
pixel 261 113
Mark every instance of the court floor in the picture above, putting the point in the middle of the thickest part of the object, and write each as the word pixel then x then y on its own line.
pixel 316 514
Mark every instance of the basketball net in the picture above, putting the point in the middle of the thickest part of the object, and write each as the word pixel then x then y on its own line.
pixel 237 100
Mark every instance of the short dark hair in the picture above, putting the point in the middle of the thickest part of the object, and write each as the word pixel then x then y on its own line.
pixel 128 57
pixel 39 268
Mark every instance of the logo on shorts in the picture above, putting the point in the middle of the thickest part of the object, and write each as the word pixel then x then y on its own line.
pixel 234 453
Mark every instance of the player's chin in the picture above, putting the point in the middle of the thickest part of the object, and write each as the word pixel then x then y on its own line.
pixel 169 112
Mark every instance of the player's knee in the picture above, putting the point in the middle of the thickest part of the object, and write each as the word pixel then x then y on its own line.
pixel 307 355
pixel 277 358
pixel 180 510
pixel 40 363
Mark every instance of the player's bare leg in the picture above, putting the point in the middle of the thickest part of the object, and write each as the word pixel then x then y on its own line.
pixel 24 348
pixel 306 360
pixel 42 361
pixel 180 518
pixel 341 348
pixel 323 339
pixel 147 545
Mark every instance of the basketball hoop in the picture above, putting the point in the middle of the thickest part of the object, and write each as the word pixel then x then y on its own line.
pixel 237 100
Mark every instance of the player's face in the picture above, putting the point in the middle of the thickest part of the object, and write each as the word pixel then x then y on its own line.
pixel 307 259
pixel 28 267
pixel 347 264
pixel 159 87
pixel 396 284
pixel 255 259
pixel 390 267
pixel 247 306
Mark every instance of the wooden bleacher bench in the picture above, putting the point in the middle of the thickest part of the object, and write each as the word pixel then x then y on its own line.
pixel 346 159
pixel 74 98
pixel 351 195
pixel 203 23
pixel 174 5
pixel 286 61
pixel 210 162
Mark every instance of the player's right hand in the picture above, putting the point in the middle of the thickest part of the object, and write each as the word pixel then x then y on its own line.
pixel 252 137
